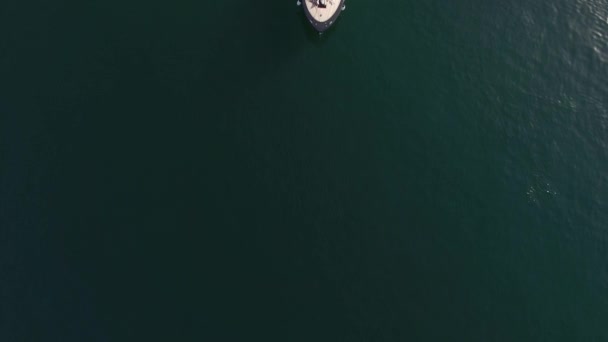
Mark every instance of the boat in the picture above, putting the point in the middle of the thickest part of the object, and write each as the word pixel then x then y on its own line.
pixel 322 14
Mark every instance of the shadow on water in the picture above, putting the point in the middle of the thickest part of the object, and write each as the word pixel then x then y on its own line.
pixel 170 222
pixel 255 41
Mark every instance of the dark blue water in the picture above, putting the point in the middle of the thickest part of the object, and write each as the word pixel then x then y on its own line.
pixel 190 171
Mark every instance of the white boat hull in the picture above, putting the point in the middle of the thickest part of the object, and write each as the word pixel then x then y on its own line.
pixel 322 14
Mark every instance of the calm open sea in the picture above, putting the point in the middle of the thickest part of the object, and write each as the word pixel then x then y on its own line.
pixel 216 171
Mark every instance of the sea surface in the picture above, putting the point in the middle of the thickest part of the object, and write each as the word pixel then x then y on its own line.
pixel 217 171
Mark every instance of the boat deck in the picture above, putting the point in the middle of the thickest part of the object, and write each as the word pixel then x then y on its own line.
pixel 322 17
pixel 323 14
